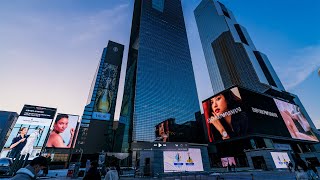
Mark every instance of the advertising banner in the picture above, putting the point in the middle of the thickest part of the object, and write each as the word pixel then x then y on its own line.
pixel 228 161
pixel 106 93
pixel 63 131
pixel 238 112
pixel 295 120
pixel 176 161
pixel 280 159
pixel 29 132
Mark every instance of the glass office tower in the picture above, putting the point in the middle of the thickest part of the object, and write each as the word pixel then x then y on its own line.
pixel 96 129
pixel 160 83
pixel 233 60
pixel 230 54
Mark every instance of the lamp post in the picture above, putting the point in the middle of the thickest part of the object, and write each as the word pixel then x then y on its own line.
pixel 81 151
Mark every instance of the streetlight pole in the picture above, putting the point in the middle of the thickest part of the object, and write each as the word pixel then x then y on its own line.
pixel 81 151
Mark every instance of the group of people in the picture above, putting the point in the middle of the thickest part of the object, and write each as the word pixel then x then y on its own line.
pixel 94 174
pixel 303 170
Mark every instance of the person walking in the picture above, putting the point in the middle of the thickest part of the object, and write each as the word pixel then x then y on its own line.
pixel 112 174
pixel 30 172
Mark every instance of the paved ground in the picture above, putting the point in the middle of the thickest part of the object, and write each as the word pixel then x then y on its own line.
pixel 256 175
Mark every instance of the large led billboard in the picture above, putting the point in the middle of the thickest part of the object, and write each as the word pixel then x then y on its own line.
pixel 280 159
pixel 238 112
pixel 162 131
pixel 177 161
pixel 295 120
pixel 63 131
pixel 225 116
pixel 29 132
pixel 106 93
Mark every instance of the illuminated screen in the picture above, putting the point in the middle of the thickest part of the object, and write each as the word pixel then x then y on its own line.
pixel 176 161
pixel 295 120
pixel 238 112
pixel 63 131
pixel 29 132
pixel 162 131
pixel 280 159
pixel 225 116
pixel 106 93
pixel 228 160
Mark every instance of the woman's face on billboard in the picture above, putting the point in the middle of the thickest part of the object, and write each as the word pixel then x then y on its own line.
pixel 61 125
pixel 219 105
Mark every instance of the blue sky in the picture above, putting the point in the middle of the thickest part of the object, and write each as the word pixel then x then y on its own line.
pixel 49 51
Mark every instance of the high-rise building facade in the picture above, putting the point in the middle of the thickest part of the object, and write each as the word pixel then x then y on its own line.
pixel 230 54
pixel 7 121
pixel 263 114
pixel 96 129
pixel 160 83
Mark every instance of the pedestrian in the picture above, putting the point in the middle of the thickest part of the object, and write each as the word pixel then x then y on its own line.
pixel 312 171
pixel 112 174
pixel 233 167
pixel 290 166
pixel 30 171
pixel 302 174
pixel 93 173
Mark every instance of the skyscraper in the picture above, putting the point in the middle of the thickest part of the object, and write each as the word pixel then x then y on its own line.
pixel 160 82
pixel 230 54
pixel 271 117
pixel 7 121
pixel 96 133
pixel 160 95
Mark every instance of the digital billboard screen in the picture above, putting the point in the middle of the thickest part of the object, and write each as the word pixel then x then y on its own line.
pixel 177 161
pixel 162 131
pixel 280 159
pixel 29 132
pixel 228 161
pixel 63 131
pixel 225 116
pixel 106 93
pixel 238 112
pixel 295 120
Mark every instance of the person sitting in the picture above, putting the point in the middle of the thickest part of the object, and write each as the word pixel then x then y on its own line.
pixel 30 172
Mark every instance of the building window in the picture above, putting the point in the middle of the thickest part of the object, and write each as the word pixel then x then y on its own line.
pixel 158 5
pixel 265 68
pixel 224 10
pixel 241 35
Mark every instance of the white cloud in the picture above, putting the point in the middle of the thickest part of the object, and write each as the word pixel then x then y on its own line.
pixel 300 65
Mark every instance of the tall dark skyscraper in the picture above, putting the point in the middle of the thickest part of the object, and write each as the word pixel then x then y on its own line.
pixel 96 133
pixel 7 121
pixel 230 54
pixel 276 117
pixel 160 83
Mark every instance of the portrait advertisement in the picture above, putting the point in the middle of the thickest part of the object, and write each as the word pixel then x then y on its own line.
pixel 162 131
pixel 29 133
pixel 225 116
pixel 295 120
pixel 63 131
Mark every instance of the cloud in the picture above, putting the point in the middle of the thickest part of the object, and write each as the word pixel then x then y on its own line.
pixel 300 65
